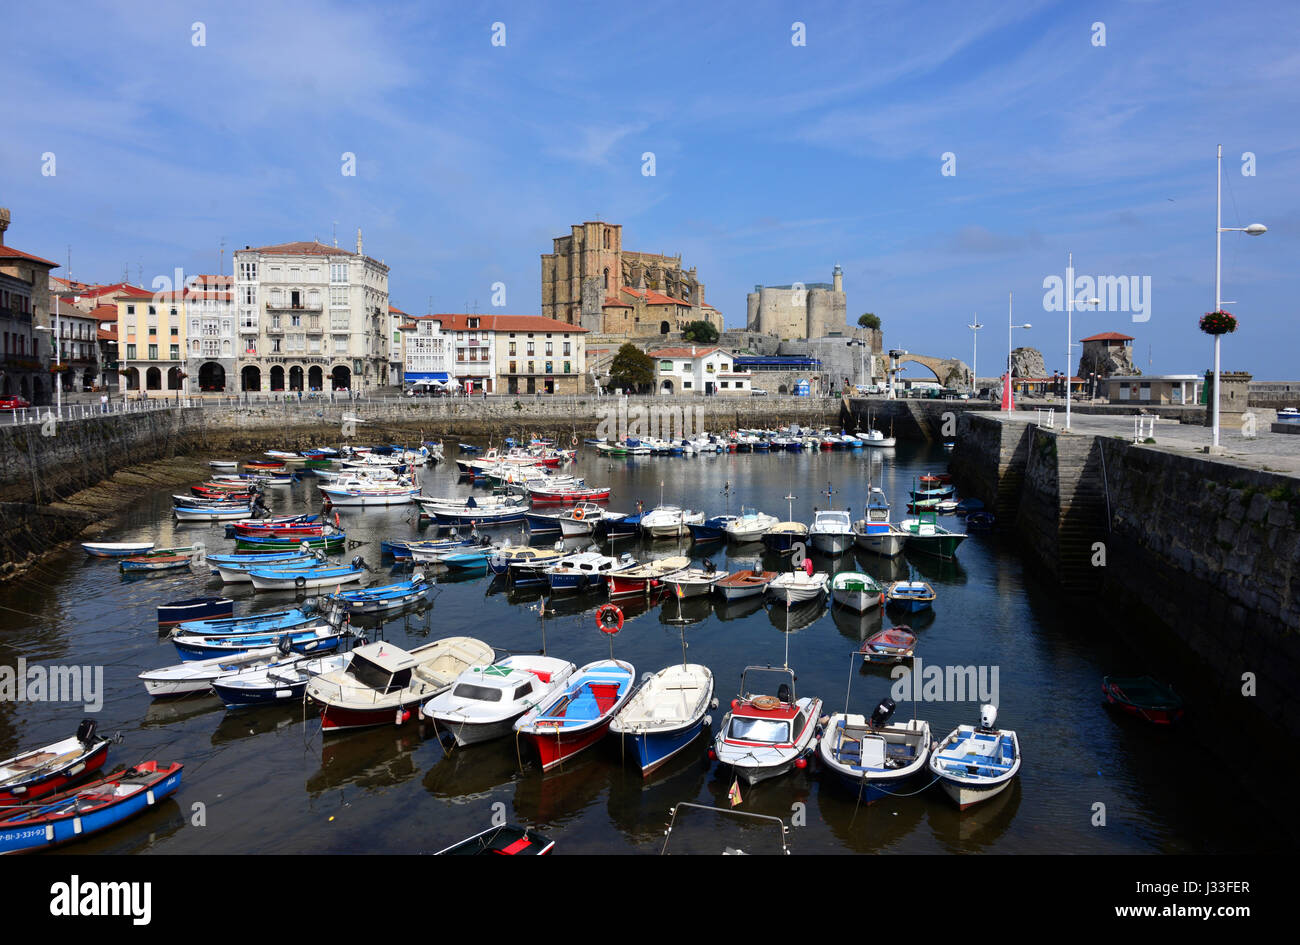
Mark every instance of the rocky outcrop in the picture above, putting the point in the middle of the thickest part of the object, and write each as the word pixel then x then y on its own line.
pixel 1028 362
pixel 1107 362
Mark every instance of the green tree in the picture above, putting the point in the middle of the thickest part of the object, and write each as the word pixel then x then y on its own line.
pixel 701 332
pixel 869 320
pixel 632 369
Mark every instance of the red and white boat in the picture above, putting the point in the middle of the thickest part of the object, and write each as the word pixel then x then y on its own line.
pixel 45 770
pixel 384 684
pixel 577 718
pixel 550 495
pixel 765 736
pixel 647 577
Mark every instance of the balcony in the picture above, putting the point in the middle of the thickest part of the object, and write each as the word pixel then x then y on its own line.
pixel 248 329
pixel 291 308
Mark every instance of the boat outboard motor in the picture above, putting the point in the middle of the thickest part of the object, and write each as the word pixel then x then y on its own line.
pixel 285 645
pixel 783 693
pixel 884 711
pixel 86 732
pixel 988 717
pixel 360 562
pixel 417 576
pixel 709 566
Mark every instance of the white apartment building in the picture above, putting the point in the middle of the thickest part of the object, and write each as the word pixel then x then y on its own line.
pixel 210 308
pixel 311 315
pixel 698 370
pixel 428 351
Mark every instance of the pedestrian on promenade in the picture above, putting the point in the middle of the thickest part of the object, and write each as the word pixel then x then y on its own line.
pixel 103 403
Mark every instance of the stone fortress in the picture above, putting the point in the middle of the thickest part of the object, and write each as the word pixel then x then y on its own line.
pixel 590 280
pixel 800 310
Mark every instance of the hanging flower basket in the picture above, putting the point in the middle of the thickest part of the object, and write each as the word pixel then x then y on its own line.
pixel 1218 323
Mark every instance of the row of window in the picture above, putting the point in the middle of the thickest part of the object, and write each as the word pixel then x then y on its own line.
pixel 550 369
pixel 174 353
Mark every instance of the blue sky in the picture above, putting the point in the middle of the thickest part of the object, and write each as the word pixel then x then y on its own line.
pixel 773 161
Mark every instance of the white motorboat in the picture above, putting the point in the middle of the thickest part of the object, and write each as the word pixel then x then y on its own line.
pixel 584 571
pixel 670 521
pixel 765 736
pixel 877 439
pixel 580 520
pixel 857 591
pixel 212 513
pixel 365 493
pixel 750 525
pixel 116 549
pixel 383 683
pixel 831 532
pixel 975 763
pixel 485 701
pixel 873 757
pixel 796 587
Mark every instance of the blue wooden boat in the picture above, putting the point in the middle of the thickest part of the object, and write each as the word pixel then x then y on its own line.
pixel 469 448
pixel 966 506
pixel 147 564
pixel 665 715
pixel 980 521
pixel 482 518
pixel 626 527
pixel 276 622
pixel 255 558
pixel 542 523
pixel 195 608
pixel 93 807
pixel 712 529
pixel 373 600
pixel 241 571
pixel 473 560
pixel 320 638
pixel 283 681
pixel 433 547
pixel 912 596
pixel 327 543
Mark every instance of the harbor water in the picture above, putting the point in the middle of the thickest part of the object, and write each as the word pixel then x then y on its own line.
pixel 268 781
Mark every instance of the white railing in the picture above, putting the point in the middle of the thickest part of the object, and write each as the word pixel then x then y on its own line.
pixel 1144 428
pixel 1045 417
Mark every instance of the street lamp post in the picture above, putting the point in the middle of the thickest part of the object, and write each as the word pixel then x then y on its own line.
pixel 1069 330
pixel 1255 229
pixel 1009 343
pixel 975 347
pixel 58 358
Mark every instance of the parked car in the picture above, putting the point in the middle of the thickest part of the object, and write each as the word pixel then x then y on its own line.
pixel 757 392
pixel 13 403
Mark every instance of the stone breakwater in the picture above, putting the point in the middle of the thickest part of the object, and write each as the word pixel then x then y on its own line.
pixel 1205 551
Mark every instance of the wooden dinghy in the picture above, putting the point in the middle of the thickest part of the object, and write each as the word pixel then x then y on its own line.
pixel 742 584
pixel 42 771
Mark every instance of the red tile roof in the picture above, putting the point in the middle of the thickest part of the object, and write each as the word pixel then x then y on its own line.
pixel 700 352
pixel 460 322
pixel 1109 336
pixel 654 298
pixel 105 313
pixel 395 310
pixel 611 302
pixel 313 248
pixel 108 334
pixel 8 252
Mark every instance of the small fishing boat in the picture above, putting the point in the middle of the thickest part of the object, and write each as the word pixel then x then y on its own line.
pixel 857 591
pixel 584 571
pixel 300 577
pixel 980 521
pixel 93 807
pixel 150 563
pixel 798 586
pixel 284 680
pixel 749 525
pixel 928 537
pixel 327 543
pixel 579 716
pixel 582 519
pixel 871 756
pixel 912 596
pixel 321 638
pixel 42 771
pixel 383 682
pixel 275 622
pixel 470 560
pixel 966 506
pixel 1144 697
pixel 946 506
pixel 378 599
pixel 369 495
pixel 694 582
pixel 711 529
pixel 191 676
pixel 889 646
pixel 831 532
pixel 875 533
pixel 765 736
pixel 212 513
pixel 976 763
pixel 645 577
pixel 783 536
pixel 436 551
pixel 240 572
pixel 503 559
pixel 669 521
pixel 506 840
pixel 875 438
pixel 485 701
pixel 547 495
pixel 118 549
pixel 623 526
pixel 488 517
pixel 665 714
pixel 194 608
pixel 741 584
pixel 224 464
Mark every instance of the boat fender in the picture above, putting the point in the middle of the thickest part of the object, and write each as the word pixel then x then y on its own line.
pixel 403 715
pixel 300 582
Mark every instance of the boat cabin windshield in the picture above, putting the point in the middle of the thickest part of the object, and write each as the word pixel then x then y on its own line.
pixel 477 693
pixel 775 731
pixel 373 676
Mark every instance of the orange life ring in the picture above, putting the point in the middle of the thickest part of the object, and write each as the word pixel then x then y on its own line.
pixel 764 703
pixel 609 618
pixel 577 515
